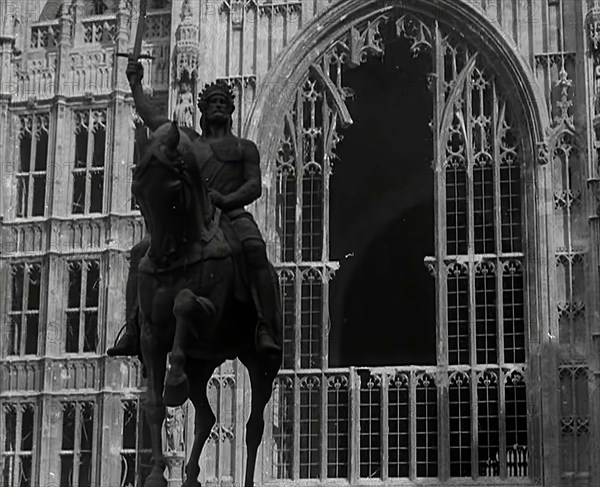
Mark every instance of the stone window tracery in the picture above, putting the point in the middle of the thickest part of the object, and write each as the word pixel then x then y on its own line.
pixel 18 444
pixel 33 160
pixel 77 444
pixel 136 447
pixel 89 161
pixel 83 301
pixel 467 415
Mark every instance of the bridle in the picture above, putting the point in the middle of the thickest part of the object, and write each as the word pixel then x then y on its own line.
pixel 155 155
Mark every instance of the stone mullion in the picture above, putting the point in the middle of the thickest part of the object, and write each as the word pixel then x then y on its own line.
pixel 323 415
pixel 329 117
pixel 32 154
pixel 24 309
pixel 18 438
pixel 439 171
pixel 497 121
pixel 299 173
pixel 5 300
pixel 384 426
pixel 91 130
pixel 470 168
pixel 76 443
pixel 296 430
pixel 82 295
pixel 412 427
pixel 108 439
pixel 325 322
pixel 354 427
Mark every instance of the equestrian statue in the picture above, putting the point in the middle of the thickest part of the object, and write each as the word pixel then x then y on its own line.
pixel 200 289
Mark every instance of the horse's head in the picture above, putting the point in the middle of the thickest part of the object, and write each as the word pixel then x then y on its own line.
pixel 170 192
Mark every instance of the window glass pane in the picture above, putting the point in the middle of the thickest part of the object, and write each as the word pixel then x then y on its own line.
pixel 27 429
pixel 18 278
pixel 99 147
pixel 22 196
pixel 10 428
pixel 97 192
pixel 72 344
pixel 31 338
pixel 68 427
pixel 78 193
pixel 39 195
pixel 41 151
pixel 81 142
pixel 90 340
pixel 25 150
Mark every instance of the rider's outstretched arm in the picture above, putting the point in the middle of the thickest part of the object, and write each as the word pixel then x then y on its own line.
pixel 146 110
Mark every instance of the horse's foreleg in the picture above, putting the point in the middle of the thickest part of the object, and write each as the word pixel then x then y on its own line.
pixel 204 421
pixel 261 382
pixel 155 358
pixel 190 311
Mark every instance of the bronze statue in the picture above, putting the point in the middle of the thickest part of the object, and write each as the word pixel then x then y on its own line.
pixel 188 287
pixel 231 169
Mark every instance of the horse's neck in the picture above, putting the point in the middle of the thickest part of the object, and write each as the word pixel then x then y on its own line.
pixel 199 219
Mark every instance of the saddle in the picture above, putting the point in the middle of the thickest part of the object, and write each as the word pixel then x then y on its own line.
pixel 231 239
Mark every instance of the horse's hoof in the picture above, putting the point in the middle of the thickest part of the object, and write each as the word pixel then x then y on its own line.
pixel 176 391
pixel 156 479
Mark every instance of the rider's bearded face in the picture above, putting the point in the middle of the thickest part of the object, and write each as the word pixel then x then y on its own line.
pixel 218 108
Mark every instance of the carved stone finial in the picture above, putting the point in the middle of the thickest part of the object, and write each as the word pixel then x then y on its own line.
pixel 593 28
pixel 543 152
pixel 187 48
pixel 174 425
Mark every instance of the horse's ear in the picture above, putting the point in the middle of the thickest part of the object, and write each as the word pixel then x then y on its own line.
pixel 172 139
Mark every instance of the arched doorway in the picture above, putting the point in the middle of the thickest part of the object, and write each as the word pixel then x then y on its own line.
pixel 465 415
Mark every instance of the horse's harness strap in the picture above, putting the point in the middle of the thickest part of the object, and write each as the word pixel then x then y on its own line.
pixel 209 233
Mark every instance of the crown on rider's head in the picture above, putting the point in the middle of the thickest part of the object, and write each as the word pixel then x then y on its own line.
pixel 220 87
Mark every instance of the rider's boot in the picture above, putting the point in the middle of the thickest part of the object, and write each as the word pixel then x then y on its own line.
pixel 265 296
pixel 129 343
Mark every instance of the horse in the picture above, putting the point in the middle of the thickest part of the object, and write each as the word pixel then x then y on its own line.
pixel 191 312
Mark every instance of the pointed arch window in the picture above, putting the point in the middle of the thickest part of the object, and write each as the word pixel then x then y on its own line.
pixel 19 441
pixel 31 175
pixel 465 416
pixel 90 155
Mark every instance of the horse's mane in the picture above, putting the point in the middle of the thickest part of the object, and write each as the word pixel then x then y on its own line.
pixel 185 148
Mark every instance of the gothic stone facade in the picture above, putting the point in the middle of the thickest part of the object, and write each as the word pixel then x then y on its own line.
pixel 512 398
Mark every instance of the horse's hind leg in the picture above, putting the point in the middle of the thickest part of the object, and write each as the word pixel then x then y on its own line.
pixel 203 422
pixel 155 358
pixel 261 381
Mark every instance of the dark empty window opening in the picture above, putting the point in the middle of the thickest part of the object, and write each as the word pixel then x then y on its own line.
pixel 382 217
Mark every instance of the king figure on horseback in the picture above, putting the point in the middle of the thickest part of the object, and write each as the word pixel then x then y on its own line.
pixel 231 170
